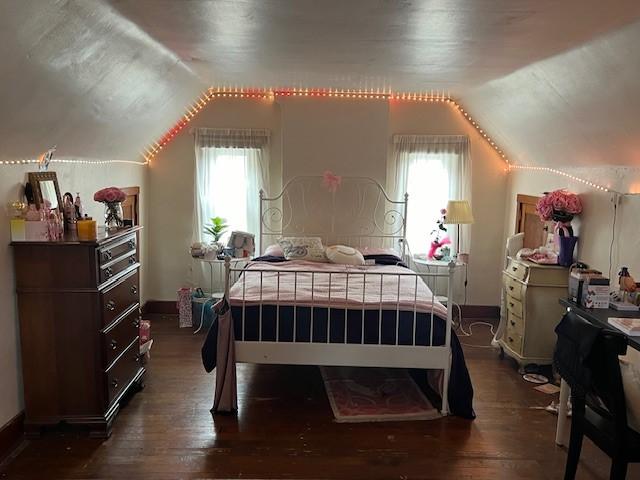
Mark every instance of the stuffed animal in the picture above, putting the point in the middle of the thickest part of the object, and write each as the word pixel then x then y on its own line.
pixel 436 248
pixel 626 282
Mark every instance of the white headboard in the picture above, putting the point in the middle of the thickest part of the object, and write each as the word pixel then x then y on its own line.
pixel 359 213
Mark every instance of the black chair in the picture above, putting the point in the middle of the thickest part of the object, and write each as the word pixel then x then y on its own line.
pixel 586 356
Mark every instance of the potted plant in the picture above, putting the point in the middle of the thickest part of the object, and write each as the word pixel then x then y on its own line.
pixel 561 206
pixel 216 229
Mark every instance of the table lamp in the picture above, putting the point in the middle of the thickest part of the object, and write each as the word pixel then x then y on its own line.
pixel 458 213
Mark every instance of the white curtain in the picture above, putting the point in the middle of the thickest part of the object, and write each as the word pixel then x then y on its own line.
pixel 231 167
pixel 432 169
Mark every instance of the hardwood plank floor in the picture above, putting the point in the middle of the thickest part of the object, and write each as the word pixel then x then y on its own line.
pixel 284 429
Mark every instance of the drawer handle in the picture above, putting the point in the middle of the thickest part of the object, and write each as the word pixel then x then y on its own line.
pixel 513 324
pixel 114 383
pixel 131 243
pixel 111 305
pixel 136 323
pixel 511 287
pixel 108 272
pixel 511 304
pixel 511 339
pixel 107 255
pixel 114 345
pixel 136 358
pixel 132 259
pixel 515 269
pixel 133 289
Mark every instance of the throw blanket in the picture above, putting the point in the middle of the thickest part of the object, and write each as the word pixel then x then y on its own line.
pixel 289 283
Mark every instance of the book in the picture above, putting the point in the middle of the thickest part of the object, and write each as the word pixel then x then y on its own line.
pixel 623 306
pixel 630 326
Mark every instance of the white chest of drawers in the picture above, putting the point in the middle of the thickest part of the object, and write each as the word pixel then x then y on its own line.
pixel 531 294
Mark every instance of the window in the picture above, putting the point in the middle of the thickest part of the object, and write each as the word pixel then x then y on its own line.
pixel 231 169
pixel 224 197
pixel 428 189
pixel 432 170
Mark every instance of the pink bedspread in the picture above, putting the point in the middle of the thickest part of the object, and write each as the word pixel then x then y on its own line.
pixel 361 287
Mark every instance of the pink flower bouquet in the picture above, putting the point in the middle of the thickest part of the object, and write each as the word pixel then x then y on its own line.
pixel 559 205
pixel 109 195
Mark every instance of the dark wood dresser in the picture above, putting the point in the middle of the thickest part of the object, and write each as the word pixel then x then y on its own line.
pixel 79 311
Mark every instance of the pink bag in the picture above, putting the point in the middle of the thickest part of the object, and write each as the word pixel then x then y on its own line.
pixel 184 307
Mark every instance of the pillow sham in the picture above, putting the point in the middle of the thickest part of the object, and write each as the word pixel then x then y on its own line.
pixel 303 248
pixel 344 255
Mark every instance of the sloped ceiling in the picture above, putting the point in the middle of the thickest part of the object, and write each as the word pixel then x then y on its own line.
pixel 555 82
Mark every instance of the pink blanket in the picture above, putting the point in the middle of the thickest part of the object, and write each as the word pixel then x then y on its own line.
pixel 330 286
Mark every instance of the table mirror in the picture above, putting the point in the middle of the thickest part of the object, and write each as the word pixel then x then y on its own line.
pixel 45 188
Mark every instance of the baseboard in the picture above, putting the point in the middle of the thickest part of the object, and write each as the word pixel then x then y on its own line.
pixel 480 311
pixel 11 435
pixel 162 307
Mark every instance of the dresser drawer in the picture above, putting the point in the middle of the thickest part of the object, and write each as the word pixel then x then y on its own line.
pixel 123 370
pixel 514 341
pixel 120 297
pixel 117 249
pixel 512 286
pixel 515 324
pixel 514 306
pixel 517 269
pixel 111 269
pixel 119 335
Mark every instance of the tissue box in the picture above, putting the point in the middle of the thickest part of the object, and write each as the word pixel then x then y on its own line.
pixel 595 293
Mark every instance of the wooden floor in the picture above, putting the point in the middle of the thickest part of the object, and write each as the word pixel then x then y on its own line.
pixel 285 430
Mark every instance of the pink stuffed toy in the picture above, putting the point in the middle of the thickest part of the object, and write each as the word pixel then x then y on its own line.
pixel 436 244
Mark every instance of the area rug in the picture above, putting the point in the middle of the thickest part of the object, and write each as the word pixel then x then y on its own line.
pixel 375 395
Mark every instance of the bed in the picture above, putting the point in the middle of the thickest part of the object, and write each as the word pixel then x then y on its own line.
pixel 382 314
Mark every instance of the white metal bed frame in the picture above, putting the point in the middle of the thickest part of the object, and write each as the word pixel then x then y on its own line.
pixel 387 225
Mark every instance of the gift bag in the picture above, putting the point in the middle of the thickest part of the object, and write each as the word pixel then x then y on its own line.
pixel 184 308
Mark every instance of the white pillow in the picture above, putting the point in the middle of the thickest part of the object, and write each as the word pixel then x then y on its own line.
pixel 630 369
pixel 274 251
pixel 303 248
pixel 344 255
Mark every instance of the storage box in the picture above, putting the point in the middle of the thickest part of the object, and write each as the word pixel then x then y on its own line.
pixel 595 293
pixel 577 277
pixel 36 231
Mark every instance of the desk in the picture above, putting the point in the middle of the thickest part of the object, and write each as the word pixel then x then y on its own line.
pixel 599 317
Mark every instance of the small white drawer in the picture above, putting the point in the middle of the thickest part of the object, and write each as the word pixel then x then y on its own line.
pixel 517 269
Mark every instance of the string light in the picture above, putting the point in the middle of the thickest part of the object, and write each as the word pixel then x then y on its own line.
pixel 71 160
pixel 385 95
pixel 564 174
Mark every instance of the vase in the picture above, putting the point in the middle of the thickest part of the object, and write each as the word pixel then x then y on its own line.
pixel 567 246
pixel 113 216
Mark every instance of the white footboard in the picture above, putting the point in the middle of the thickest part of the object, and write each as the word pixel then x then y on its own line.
pixel 324 349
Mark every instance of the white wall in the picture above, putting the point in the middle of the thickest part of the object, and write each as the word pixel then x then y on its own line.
pixel 74 178
pixel 350 137
pixel 594 226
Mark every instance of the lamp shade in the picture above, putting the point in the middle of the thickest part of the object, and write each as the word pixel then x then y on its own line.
pixel 458 212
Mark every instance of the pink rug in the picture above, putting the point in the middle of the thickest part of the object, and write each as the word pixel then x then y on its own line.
pixel 375 395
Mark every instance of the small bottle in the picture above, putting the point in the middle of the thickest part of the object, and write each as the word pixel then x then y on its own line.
pixel 78 205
